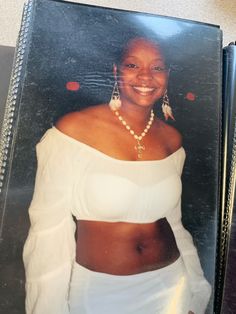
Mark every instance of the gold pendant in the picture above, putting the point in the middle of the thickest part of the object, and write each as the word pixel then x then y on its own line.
pixel 139 147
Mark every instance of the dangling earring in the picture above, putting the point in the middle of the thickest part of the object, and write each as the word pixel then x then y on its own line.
pixel 166 108
pixel 115 102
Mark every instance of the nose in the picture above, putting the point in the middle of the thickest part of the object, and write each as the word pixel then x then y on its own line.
pixel 145 74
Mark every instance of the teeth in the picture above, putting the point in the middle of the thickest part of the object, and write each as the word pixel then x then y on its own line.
pixel 143 89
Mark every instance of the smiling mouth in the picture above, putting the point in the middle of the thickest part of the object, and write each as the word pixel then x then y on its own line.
pixel 144 90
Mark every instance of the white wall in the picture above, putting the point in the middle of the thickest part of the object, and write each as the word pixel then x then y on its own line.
pixel 220 12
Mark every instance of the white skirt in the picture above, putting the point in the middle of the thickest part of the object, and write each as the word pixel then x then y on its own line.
pixel 162 291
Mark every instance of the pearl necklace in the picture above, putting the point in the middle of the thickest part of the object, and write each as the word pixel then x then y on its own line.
pixel 139 147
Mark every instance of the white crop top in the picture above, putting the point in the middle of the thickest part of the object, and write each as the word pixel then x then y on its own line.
pixel 76 179
pixel 112 190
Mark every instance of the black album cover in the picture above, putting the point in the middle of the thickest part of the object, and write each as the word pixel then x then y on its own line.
pixel 226 285
pixel 74 62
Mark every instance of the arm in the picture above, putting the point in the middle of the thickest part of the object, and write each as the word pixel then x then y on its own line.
pixel 50 247
pixel 200 288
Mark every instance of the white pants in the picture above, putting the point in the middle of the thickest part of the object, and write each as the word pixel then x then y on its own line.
pixel 162 291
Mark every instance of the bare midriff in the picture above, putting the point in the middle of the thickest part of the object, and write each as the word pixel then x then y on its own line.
pixel 125 248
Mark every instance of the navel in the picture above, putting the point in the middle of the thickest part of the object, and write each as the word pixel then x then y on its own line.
pixel 140 247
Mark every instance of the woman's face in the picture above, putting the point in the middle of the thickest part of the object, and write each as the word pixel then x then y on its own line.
pixel 142 73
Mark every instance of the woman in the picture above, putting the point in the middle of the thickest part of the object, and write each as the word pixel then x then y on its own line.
pixel 111 167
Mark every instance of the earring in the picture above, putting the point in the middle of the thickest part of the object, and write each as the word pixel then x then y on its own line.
pixel 115 102
pixel 166 108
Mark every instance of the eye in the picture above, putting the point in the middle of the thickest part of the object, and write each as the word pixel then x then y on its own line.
pixel 131 66
pixel 159 69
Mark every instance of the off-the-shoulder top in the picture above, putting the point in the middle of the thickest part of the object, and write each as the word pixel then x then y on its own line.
pixel 74 179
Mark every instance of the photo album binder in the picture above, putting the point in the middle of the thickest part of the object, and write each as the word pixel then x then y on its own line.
pixel 6 59
pixel 227 284
pixel 110 164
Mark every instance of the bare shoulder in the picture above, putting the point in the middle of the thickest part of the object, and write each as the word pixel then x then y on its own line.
pixel 171 136
pixel 75 123
pixel 68 122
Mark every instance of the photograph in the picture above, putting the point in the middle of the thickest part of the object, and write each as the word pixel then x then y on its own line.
pixel 112 193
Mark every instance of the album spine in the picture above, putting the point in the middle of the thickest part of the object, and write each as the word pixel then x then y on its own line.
pixel 9 125
pixel 228 168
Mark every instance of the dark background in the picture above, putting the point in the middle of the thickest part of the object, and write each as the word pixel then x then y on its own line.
pixel 71 42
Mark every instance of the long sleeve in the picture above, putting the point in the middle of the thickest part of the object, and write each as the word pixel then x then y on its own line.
pixel 49 250
pixel 200 288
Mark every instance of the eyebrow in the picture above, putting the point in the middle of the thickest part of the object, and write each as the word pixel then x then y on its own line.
pixel 156 59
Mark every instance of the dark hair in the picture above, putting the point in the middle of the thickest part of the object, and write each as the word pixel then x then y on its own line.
pixel 126 46
pixel 120 45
